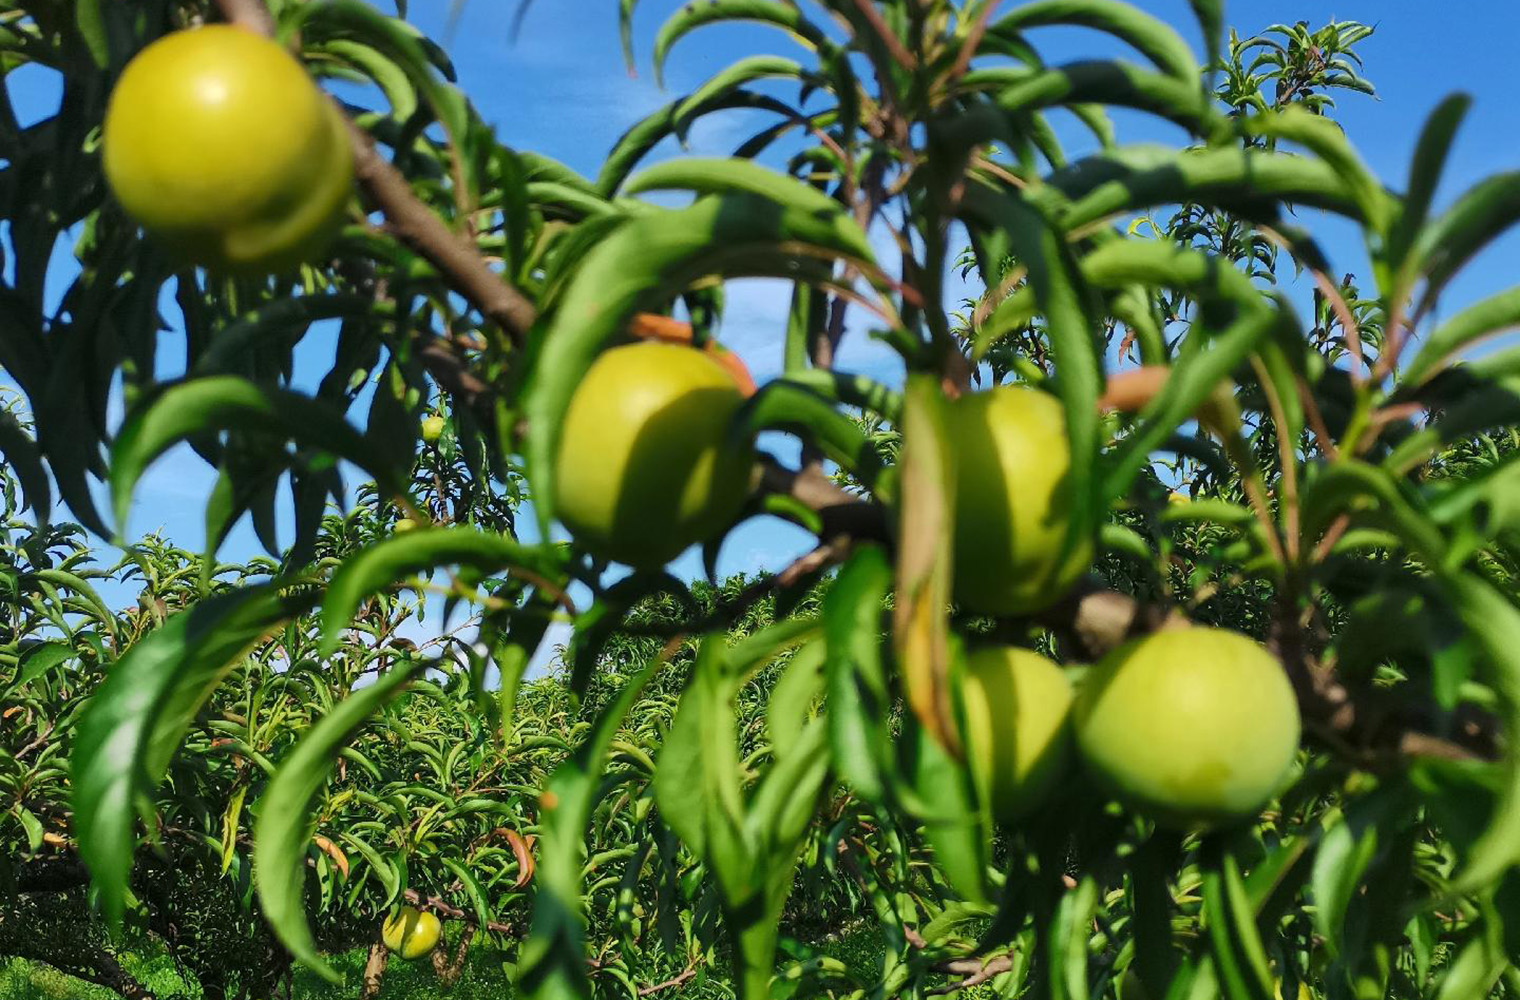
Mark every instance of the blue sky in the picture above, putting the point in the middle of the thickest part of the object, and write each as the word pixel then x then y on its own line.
pixel 562 89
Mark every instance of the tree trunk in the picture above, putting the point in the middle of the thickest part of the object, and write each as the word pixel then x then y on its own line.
pixel 374 971
pixel 449 970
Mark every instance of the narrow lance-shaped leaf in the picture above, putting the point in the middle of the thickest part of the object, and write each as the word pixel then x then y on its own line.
pixel 774 13
pixel 920 617
pixel 1154 38
pixel 219 403
pixel 282 832
pixel 1495 625
pixel 138 717
pixel 858 695
pixel 1425 171
pixel 379 566
pixel 552 964
pixel 25 460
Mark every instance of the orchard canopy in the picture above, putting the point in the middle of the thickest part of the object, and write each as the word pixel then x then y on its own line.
pixel 1157 634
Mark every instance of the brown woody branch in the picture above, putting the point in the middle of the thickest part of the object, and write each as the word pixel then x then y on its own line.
pixel 411 220
pixel 447 909
pixel 975 971
pixel 671 983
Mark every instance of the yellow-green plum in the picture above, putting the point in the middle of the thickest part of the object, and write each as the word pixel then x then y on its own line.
pixel 218 142
pixel 411 933
pixel 1193 726
pixel 1012 466
pixel 1017 705
pixel 645 467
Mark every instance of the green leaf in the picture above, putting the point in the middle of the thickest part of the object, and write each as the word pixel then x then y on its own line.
pixel 136 720
pixel 787 405
pixel 1139 177
pixel 1153 38
pixel 92 28
pixel 401 42
pixel 769 12
pixel 1231 924
pixel 735 176
pixel 1493 315
pixel 552 962
pixel 379 566
pixel 1430 155
pixel 25 460
pixel 859 697
pixel 1324 137
pixel 1094 82
pixel 472 888
pixel 1494 623
pixel 1481 215
pixel 643 136
pixel 747 70
pixel 221 403
pixel 1068 941
pixel 697 781
pixel 1347 850
pixel 40 660
pixel 282 833
pixel 385 872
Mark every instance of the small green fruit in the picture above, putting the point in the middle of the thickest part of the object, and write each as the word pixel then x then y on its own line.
pixel 432 428
pixel 402 525
pixel 411 933
pixel 644 467
pixel 1012 467
pixel 1016 705
pixel 1194 726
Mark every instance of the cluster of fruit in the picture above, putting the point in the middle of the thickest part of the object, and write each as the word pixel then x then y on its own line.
pixel 218 142
pixel 1194 726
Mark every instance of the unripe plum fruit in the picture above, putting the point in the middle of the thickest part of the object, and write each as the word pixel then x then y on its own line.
pixel 411 933
pixel 1016 707
pixel 645 467
pixel 1012 465
pixel 218 143
pixel 1193 726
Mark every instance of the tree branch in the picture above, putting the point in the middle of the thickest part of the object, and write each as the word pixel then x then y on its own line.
pixel 975 970
pixel 447 909
pixel 455 257
pixel 413 222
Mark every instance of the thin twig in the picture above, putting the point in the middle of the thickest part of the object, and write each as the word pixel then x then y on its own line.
pixel 968 47
pixel 671 983
pixel 1286 458
pixel 977 971
pixel 891 41
pixel 447 909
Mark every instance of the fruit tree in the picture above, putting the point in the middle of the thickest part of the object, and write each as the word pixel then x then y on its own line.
pixel 1159 631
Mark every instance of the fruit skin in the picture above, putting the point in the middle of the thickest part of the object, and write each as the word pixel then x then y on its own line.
pixel 1017 707
pixel 218 142
pixel 411 933
pixel 1194 726
pixel 432 428
pixel 1012 465
pixel 644 467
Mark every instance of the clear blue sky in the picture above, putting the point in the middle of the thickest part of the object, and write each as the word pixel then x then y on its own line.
pixel 562 89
